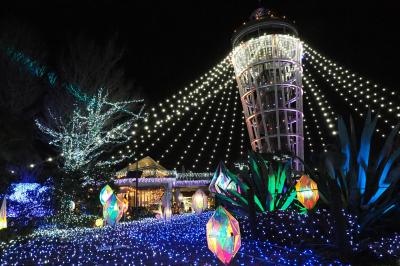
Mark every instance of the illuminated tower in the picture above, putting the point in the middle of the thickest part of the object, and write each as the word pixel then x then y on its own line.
pixel 267 57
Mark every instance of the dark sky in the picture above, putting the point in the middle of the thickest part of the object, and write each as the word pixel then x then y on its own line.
pixel 171 43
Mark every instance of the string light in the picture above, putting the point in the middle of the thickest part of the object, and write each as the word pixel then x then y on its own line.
pixel 146 242
pixel 217 122
pixel 208 113
pixel 197 96
pixel 86 137
pixel 313 116
pixel 231 129
pixel 358 92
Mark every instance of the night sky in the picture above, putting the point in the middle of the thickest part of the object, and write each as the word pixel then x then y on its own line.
pixel 170 43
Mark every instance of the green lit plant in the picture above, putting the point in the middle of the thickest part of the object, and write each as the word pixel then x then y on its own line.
pixel 264 185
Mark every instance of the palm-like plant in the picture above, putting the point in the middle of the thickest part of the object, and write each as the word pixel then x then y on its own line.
pixel 356 181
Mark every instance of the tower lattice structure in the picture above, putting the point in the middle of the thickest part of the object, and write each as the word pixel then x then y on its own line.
pixel 267 56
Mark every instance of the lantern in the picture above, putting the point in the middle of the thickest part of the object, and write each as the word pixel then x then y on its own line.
pixel 105 194
pixel 99 222
pixel 3 215
pixel 222 181
pixel 113 207
pixel 223 235
pixel 199 201
pixel 307 192
pixel 111 210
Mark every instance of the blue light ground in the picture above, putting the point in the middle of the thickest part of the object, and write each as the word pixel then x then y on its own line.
pixel 148 242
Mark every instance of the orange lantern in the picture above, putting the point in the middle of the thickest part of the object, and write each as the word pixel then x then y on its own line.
pixel 307 192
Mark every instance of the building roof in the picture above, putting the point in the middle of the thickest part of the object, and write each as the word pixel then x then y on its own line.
pixel 148 166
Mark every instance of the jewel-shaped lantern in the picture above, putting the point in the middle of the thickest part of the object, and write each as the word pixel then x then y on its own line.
pixel 307 192
pixel 222 181
pixel 3 215
pixel 113 207
pixel 199 201
pixel 111 210
pixel 223 235
pixel 105 194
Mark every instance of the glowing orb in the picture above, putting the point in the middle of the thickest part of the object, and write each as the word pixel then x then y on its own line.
pixel 223 235
pixel 307 192
pixel 199 201
pixel 99 222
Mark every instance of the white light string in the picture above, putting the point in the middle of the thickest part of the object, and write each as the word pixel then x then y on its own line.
pixel 357 91
pixel 324 108
pixel 218 119
pixel 311 122
pixel 208 112
pixel 196 96
pixel 218 122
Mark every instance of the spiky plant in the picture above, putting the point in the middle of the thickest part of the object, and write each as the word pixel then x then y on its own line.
pixel 264 186
pixel 360 179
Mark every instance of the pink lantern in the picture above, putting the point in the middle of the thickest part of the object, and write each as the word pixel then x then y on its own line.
pixel 223 235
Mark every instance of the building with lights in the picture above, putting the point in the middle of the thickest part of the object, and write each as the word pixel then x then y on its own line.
pixel 267 56
pixel 155 181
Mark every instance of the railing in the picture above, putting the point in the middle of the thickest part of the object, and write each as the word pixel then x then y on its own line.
pixel 194 176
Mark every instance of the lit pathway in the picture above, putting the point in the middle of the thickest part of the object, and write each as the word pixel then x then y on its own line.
pixel 148 242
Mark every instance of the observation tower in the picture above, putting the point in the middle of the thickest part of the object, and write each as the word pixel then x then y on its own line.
pixel 267 57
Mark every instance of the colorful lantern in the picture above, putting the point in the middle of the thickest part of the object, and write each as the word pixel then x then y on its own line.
pixel 105 194
pixel 222 181
pixel 307 192
pixel 223 235
pixel 113 207
pixel 3 215
pixel 199 201
pixel 111 210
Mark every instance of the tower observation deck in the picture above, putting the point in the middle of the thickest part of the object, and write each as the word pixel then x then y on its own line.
pixel 267 57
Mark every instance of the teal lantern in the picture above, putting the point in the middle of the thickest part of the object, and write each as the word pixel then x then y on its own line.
pixel 105 194
pixel 111 210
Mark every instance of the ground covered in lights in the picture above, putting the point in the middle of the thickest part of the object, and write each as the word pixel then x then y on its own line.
pixel 146 242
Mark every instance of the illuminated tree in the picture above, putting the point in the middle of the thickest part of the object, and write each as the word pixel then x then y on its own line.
pixel 85 137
